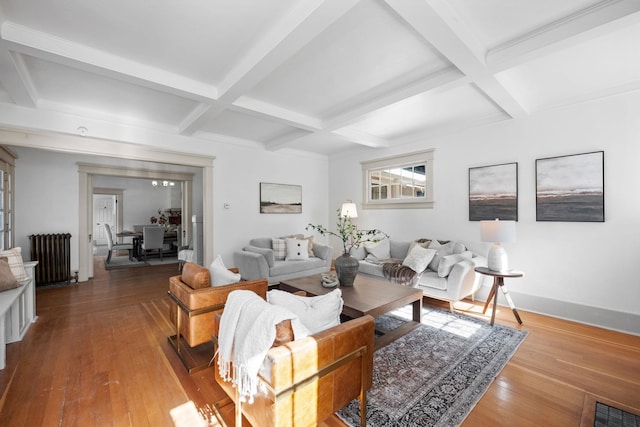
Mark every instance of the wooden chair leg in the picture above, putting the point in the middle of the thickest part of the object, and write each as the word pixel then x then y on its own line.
pixel 238 412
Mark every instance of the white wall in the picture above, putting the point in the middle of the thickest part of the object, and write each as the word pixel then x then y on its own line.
pixel 140 201
pixel 47 194
pixel 238 173
pixel 47 198
pixel 583 271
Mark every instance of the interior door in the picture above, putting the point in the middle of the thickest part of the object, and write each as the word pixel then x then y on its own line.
pixel 104 212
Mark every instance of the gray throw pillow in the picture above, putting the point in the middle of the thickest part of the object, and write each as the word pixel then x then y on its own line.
pixel 418 258
pixel 380 250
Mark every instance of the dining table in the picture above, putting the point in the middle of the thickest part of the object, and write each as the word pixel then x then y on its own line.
pixel 170 236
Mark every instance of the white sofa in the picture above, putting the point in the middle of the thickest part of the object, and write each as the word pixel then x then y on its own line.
pixel 455 281
pixel 258 260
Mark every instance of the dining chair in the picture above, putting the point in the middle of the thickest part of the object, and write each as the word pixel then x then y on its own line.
pixel 114 247
pixel 152 240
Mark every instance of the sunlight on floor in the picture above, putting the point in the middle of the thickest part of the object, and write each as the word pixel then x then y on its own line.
pixel 187 415
pixel 442 320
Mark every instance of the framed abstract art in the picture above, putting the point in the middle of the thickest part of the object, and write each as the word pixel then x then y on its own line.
pixel 493 192
pixel 570 188
pixel 280 198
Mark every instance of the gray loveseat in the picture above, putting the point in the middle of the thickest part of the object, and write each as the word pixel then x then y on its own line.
pixel 450 275
pixel 259 259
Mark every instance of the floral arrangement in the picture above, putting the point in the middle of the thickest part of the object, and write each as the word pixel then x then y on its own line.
pixel 349 234
pixel 162 220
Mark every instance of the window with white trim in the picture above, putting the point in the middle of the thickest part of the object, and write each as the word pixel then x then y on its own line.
pixel 7 166
pixel 399 182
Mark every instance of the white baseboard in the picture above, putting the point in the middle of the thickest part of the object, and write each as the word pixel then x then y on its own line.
pixel 609 319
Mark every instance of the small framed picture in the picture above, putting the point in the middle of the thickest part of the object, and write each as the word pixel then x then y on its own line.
pixel 280 198
pixel 493 192
pixel 570 188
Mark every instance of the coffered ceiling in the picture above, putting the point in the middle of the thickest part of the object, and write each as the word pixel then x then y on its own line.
pixel 323 76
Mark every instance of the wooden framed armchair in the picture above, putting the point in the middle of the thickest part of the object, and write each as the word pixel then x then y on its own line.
pixel 194 304
pixel 309 379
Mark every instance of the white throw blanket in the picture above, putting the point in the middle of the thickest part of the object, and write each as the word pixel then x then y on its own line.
pixel 247 331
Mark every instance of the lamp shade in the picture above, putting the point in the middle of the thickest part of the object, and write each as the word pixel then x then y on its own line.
pixel 498 231
pixel 349 209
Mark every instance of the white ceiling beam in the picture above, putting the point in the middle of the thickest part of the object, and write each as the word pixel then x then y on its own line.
pixel 345 134
pixel 362 138
pixel 601 18
pixel 38 121
pixel 440 27
pixel 456 127
pixel 286 139
pixel 15 79
pixel 201 114
pixel 378 97
pixel 281 42
pixel 395 91
pixel 64 52
pixel 268 111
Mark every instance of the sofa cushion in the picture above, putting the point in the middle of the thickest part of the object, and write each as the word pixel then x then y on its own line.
pixel 7 279
pixel 447 262
pixel 374 269
pixel 14 258
pixel 380 250
pixel 220 275
pixel 418 258
pixel 430 279
pixel 297 249
pixel 267 253
pixel 284 267
pixel 195 276
pixel 261 242
pixel 279 248
pixel 316 313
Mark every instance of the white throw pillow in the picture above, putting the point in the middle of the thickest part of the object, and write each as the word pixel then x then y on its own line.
pixel 443 250
pixel 316 313
pixel 297 249
pixel 418 258
pixel 14 258
pixel 220 275
pixel 380 250
pixel 447 262
pixel 279 249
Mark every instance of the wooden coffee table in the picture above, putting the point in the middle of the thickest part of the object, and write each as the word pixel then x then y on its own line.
pixel 368 295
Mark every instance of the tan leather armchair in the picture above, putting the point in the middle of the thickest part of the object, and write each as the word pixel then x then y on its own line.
pixel 194 303
pixel 309 379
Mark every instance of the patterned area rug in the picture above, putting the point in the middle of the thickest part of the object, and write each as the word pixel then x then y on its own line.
pixel 434 375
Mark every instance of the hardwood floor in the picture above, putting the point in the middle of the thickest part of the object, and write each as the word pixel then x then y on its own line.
pixel 98 355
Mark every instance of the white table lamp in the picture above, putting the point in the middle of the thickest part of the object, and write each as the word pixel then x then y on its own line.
pixel 498 232
pixel 349 209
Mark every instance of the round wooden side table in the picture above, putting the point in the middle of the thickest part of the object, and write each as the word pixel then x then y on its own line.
pixel 498 282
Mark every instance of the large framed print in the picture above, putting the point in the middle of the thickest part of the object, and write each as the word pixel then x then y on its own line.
pixel 280 198
pixel 570 188
pixel 493 192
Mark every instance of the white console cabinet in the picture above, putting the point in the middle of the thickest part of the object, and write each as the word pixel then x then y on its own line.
pixel 17 311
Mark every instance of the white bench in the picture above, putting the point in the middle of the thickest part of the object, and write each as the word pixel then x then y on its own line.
pixel 17 311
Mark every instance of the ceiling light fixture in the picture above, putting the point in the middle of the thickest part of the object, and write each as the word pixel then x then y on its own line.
pixel 164 183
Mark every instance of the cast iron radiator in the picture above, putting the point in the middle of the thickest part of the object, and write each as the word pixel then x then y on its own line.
pixel 52 251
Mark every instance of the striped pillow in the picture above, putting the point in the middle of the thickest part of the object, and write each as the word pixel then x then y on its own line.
pixel 14 258
pixel 279 249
